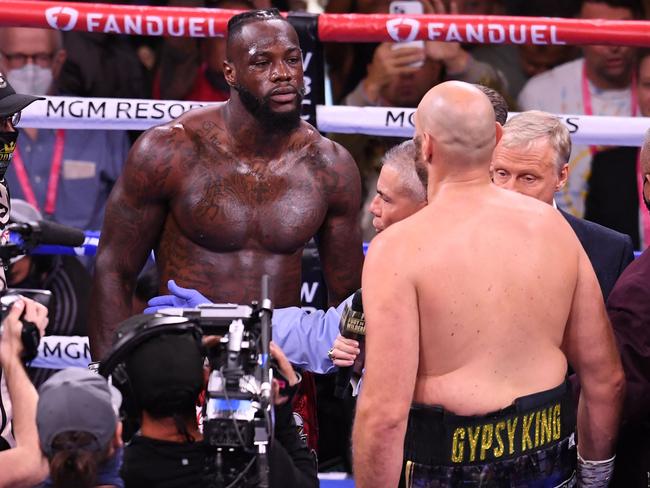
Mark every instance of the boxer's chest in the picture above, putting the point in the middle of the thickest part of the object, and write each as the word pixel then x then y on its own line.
pixel 239 206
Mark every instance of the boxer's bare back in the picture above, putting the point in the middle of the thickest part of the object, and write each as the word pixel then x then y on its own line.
pixel 478 299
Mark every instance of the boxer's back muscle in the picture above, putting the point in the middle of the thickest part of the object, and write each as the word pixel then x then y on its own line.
pixel 494 290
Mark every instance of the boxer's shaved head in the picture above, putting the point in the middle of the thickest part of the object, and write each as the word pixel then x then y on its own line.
pixel 459 120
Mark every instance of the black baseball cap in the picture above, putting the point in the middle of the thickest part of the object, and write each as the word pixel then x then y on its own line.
pixel 10 101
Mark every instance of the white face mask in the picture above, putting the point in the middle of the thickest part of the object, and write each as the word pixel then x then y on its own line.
pixel 30 79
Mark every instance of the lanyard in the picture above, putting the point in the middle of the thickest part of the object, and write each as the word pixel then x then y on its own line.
pixel 645 215
pixel 586 99
pixel 53 182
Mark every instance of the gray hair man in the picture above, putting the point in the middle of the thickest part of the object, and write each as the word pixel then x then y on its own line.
pixel 401 190
pixel 532 158
pixel 533 155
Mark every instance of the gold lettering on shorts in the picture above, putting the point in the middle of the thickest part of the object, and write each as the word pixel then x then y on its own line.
pixel 537 429
pixel 511 434
pixel 458 445
pixel 473 442
pixel 546 433
pixel 525 433
pixel 557 423
pixel 498 451
pixel 486 439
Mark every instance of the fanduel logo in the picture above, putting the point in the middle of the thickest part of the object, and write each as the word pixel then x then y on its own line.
pixel 62 18
pixel 403 30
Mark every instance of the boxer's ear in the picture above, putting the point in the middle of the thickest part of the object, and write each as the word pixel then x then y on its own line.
pixel 229 73
pixel 427 147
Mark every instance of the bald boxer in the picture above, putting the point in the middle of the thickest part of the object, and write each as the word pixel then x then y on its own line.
pixel 226 194
pixel 472 312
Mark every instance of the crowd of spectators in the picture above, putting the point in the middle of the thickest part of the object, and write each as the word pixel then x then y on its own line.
pixel 361 74
pixel 67 175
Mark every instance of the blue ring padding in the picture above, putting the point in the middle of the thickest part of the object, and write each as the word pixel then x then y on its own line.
pixel 89 247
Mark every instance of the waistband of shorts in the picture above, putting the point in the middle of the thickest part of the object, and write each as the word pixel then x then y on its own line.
pixel 436 436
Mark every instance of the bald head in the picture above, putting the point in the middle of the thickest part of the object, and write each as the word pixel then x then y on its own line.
pixel 456 125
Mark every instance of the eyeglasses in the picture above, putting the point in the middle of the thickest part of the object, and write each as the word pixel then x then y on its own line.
pixel 18 60
pixel 12 120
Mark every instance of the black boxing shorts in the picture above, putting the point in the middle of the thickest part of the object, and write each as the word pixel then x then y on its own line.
pixel 528 444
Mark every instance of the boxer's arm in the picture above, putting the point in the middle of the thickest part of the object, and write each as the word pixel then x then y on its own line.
pixel 339 239
pixel 389 298
pixel 591 350
pixel 135 213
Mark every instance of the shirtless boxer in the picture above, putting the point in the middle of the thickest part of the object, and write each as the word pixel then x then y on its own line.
pixel 473 307
pixel 306 337
pixel 226 194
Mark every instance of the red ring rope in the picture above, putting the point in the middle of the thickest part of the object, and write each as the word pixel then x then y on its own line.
pixel 204 22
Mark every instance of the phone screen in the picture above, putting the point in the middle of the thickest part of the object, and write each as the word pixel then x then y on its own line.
pixel 406 7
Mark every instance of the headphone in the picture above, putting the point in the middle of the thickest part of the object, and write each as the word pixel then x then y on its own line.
pixel 132 333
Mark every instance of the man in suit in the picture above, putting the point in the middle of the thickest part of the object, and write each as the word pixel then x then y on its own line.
pixel 628 307
pixel 533 158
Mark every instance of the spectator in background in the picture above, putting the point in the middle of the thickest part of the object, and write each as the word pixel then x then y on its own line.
pixel 67 174
pixel 23 465
pixel 65 276
pixel 602 184
pixel 79 430
pixel 192 69
pixel 520 62
pixel 367 69
pixel 629 311
pixel 643 87
pixel 102 65
pixel 532 158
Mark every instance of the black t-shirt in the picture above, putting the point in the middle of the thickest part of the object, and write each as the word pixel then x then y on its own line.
pixel 163 464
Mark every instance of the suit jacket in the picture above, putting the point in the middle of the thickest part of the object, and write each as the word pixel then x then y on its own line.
pixel 628 307
pixel 609 251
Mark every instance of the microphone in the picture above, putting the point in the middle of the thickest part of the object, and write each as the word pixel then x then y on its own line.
pixel 48 233
pixel 352 326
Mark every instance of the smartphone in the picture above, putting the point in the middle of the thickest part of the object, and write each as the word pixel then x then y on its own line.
pixel 403 7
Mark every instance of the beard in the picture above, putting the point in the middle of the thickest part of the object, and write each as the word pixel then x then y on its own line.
pixel 420 165
pixel 260 108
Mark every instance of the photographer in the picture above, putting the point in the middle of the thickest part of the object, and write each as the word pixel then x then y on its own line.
pixel 166 376
pixel 24 465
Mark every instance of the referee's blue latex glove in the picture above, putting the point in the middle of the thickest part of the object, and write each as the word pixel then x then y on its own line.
pixel 180 298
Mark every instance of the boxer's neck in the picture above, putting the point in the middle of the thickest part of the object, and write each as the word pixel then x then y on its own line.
pixel 250 135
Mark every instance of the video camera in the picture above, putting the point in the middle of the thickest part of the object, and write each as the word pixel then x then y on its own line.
pixel 30 335
pixel 237 410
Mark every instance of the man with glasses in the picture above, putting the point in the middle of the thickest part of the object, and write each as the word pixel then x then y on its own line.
pixel 628 307
pixel 11 103
pixel 65 174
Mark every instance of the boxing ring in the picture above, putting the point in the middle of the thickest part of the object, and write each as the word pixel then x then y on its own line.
pixel 134 114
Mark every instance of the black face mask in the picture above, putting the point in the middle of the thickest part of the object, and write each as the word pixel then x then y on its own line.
pixel 7 148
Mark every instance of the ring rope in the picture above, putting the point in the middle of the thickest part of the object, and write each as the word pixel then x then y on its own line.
pixel 206 22
pixel 141 114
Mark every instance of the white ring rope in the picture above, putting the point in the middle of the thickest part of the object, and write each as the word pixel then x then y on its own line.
pixel 134 114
